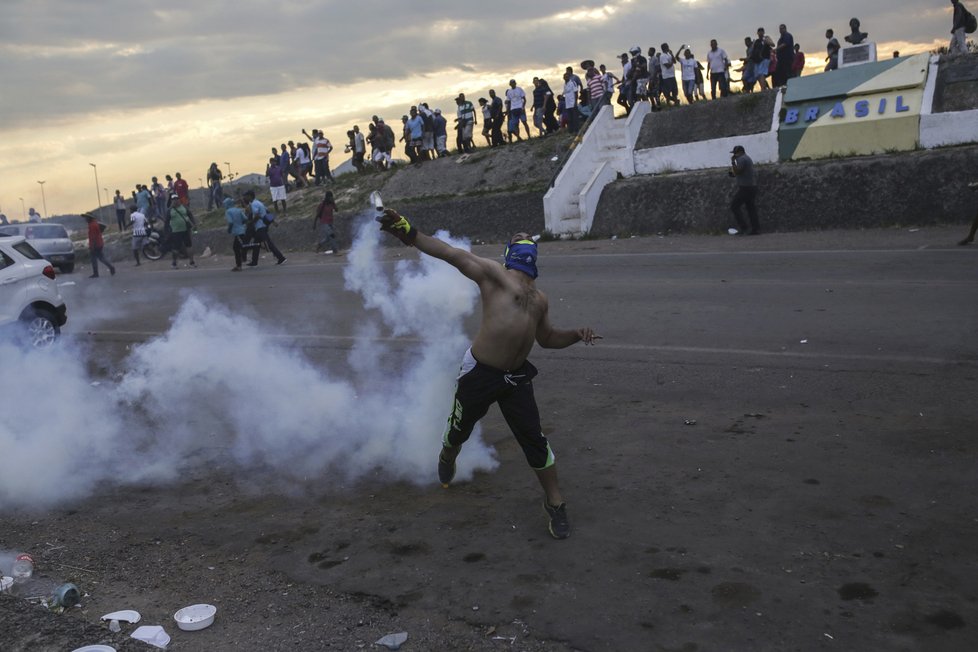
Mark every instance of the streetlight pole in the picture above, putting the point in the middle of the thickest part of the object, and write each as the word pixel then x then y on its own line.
pixel 98 195
pixel 23 208
pixel 44 202
pixel 229 170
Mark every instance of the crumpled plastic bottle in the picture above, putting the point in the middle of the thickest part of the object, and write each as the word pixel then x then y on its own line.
pixel 23 568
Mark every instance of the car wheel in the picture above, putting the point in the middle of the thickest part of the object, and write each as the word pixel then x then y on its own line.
pixel 68 269
pixel 42 330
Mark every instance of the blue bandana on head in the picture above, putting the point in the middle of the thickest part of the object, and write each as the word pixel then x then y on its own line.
pixel 522 256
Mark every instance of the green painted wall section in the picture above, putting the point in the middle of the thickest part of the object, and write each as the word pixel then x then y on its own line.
pixel 868 78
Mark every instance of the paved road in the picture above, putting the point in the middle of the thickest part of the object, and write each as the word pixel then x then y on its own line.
pixel 772 448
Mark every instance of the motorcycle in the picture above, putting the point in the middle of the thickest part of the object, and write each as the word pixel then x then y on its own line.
pixel 154 247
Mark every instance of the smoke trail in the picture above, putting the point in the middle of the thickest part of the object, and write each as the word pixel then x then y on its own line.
pixel 215 388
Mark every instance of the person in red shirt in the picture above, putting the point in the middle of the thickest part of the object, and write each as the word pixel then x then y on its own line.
pixel 95 245
pixel 324 220
pixel 182 189
pixel 798 65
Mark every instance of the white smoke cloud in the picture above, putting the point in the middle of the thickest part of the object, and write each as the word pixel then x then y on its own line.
pixel 216 388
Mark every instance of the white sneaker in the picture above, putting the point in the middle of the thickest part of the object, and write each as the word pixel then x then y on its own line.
pixel 327 252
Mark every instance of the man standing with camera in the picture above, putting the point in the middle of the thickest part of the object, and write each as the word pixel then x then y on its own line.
pixel 742 168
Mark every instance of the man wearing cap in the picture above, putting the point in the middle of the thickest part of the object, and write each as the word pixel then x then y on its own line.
pixel 639 74
pixel 464 122
pixel 742 167
pixel 495 369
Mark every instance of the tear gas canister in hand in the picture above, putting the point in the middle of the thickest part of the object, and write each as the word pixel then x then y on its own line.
pixel 377 203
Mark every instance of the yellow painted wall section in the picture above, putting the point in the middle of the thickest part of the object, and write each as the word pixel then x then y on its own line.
pixel 873 134
pixel 907 74
pixel 860 138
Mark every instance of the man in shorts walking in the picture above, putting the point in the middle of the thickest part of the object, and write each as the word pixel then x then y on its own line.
pixel 495 369
pixel 276 184
pixel 139 235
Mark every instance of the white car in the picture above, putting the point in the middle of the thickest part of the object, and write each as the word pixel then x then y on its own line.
pixel 30 302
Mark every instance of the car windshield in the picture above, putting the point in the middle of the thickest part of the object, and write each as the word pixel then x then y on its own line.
pixel 46 231
pixel 28 251
pixel 9 230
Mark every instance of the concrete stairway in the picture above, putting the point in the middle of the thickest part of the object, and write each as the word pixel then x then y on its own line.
pixel 603 153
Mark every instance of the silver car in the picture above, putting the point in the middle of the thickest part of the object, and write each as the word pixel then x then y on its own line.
pixel 50 240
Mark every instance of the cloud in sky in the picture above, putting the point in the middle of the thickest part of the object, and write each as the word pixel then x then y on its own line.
pixel 149 87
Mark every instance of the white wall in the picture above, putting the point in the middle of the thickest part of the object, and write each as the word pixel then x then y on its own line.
pixel 762 148
pixel 945 129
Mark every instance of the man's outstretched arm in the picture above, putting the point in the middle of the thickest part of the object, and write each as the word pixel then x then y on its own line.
pixel 474 267
pixel 555 338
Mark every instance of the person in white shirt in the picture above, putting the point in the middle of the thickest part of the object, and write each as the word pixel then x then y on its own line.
pixel 717 64
pixel 669 87
pixel 517 110
pixel 626 89
pixel 688 64
pixel 609 83
pixel 139 233
pixel 571 93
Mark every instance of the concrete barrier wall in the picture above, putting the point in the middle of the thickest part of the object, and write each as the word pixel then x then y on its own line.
pixel 734 116
pixel 916 188
pixel 763 148
pixel 946 129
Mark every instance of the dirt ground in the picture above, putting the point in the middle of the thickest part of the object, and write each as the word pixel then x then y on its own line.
pixel 722 498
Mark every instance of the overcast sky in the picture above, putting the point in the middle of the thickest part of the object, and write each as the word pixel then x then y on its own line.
pixel 149 88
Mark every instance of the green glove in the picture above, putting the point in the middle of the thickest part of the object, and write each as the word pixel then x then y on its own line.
pixel 398 226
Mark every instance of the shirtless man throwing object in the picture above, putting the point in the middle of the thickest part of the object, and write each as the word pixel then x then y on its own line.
pixel 495 368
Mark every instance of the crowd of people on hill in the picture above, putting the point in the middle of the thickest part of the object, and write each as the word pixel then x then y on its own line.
pixel 657 77
pixel 653 77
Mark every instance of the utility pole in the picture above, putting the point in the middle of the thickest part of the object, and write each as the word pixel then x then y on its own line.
pixel 44 201
pixel 98 196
